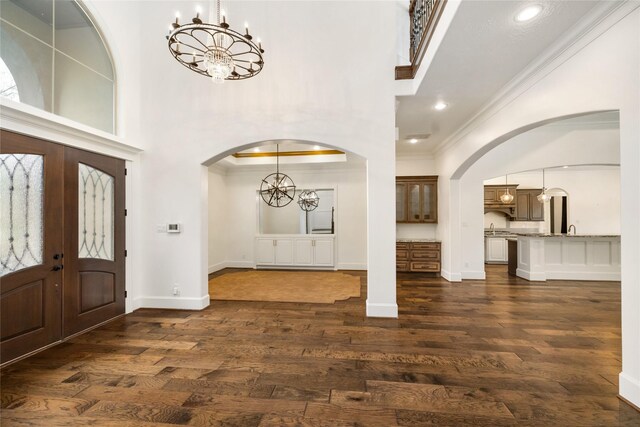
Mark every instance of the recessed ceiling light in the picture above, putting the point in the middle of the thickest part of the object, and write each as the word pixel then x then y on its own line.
pixel 413 141
pixel 316 147
pixel 256 150
pixel 528 13
pixel 565 167
pixel 440 106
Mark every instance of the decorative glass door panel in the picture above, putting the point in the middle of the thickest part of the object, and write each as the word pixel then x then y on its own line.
pixel 401 202
pixel 95 213
pixel 21 221
pixel 414 203
pixel 429 203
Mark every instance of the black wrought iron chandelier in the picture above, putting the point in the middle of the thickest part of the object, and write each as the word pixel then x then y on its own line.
pixel 277 189
pixel 308 200
pixel 214 49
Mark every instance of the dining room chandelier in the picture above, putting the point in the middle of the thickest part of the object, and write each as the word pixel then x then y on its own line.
pixel 277 189
pixel 308 200
pixel 213 49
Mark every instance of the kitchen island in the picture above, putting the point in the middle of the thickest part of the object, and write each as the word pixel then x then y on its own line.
pixel 568 257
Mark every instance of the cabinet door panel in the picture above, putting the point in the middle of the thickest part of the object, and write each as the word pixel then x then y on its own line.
pixel 522 206
pixel 429 202
pixel 495 250
pixel 284 251
pixel 401 202
pixel 414 203
pixel 536 209
pixel 303 253
pixel 490 195
pixel 265 251
pixel 324 252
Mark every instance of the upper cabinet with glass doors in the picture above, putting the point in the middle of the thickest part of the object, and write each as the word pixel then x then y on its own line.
pixel 417 199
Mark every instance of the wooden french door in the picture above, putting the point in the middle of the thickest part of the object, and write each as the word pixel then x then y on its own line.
pixel 31 243
pixel 94 239
pixel 61 242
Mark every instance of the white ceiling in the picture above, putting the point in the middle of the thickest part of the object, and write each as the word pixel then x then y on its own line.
pixel 482 51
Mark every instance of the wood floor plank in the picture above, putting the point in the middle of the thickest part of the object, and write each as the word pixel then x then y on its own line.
pixel 499 352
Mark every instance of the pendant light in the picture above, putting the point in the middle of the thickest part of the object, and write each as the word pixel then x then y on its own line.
pixel 308 200
pixel 277 189
pixel 544 196
pixel 507 197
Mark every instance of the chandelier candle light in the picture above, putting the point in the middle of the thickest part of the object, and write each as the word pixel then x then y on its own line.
pixel 507 197
pixel 214 49
pixel 544 196
pixel 277 189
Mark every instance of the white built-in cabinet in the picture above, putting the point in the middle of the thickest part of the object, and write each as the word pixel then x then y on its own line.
pixel 305 251
pixel 496 250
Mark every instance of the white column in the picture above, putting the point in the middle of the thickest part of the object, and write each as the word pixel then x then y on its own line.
pixel 381 239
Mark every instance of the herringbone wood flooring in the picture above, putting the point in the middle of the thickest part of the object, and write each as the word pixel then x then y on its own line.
pixel 494 353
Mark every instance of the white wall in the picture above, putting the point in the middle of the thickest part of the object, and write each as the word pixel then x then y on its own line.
pixel 242 203
pixel 562 86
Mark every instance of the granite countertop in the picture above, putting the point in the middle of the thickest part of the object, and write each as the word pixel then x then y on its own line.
pixel 417 240
pixel 500 235
pixel 565 235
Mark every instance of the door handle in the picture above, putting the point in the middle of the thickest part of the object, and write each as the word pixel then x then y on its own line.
pixel 58 256
pixel 57 267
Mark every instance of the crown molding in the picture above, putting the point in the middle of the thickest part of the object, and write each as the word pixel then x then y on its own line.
pixel 597 22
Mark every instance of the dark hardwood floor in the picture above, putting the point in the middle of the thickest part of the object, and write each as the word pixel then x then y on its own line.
pixel 494 353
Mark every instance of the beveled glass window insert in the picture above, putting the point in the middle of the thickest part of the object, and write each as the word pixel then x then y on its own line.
pixel 95 213
pixel 21 211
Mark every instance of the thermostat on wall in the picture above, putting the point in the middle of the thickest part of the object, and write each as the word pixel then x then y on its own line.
pixel 174 228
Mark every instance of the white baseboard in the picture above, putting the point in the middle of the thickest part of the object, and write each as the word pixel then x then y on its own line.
pixel 588 275
pixel 217 267
pixel 351 266
pixel 473 275
pixel 451 277
pixel 179 303
pixel 239 264
pixel 629 389
pixel 531 276
pixel 382 310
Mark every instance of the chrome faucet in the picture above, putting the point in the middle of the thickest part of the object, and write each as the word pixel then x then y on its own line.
pixel 493 229
pixel 569 229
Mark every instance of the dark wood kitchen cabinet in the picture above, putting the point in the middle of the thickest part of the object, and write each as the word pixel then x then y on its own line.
pixel 423 257
pixel 417 199
pixel 528 208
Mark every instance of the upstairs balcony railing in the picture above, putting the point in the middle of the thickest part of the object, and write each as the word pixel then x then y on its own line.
pixel 423 18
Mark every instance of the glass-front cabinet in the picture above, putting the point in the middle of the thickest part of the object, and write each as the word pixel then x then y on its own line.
pixel 417 199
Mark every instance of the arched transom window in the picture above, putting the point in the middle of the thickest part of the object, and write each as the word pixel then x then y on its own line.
pixel 53 58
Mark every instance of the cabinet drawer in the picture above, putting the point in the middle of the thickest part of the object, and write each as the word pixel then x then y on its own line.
pixel 425 255
pixel 402 266
pixel 428 266
pixel 425 245
pixel 402 245
pixel 402 254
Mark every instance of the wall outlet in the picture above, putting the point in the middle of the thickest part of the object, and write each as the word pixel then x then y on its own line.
pixel 176 290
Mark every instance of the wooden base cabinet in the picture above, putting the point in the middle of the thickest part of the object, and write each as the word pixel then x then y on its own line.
pixel 421 257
